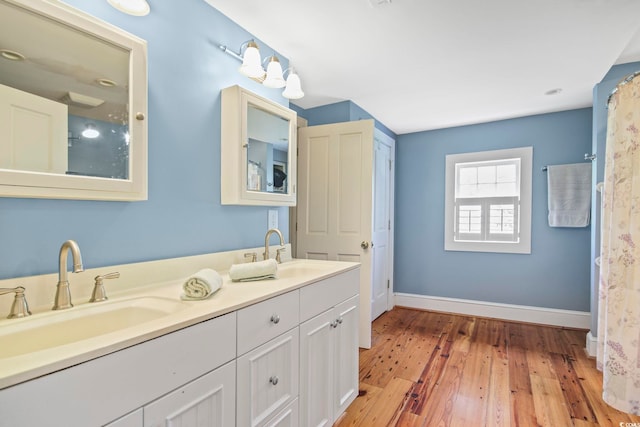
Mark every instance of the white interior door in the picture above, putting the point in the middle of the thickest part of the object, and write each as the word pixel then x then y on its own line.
pixel 335 192
pixel 380 243
pixel 33 132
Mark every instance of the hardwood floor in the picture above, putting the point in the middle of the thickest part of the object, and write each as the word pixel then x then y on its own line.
pixel 435 369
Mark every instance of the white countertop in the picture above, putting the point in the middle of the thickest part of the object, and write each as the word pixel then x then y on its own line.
pixel 232 296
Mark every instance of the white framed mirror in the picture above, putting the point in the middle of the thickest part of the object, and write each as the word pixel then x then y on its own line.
pixel 73 105
pixel 258 150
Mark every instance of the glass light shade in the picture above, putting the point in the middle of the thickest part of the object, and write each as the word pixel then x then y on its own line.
pixel 131 7
pixel 90 131
pixel 274 74
pixel 251 62
pixel 294 88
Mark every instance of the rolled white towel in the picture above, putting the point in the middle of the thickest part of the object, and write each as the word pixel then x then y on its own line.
pixel 260 270
pixel 201 285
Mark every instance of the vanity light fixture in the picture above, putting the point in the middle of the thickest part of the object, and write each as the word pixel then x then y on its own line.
pixel 251 62
pixel 293 90
pixel 273 77
pixel 131 7
pixel 90 131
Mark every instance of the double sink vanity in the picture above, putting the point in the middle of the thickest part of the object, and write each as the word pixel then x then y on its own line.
pixel 264 353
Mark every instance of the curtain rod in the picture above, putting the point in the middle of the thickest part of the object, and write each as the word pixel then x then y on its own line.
pixel 622 82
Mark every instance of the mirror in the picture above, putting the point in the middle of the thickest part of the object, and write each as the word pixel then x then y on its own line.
pixel 72 105
pixel 267 151
pixel 258 150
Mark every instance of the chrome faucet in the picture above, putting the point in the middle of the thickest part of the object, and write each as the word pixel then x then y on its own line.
pixel 266 240
pixel 63 295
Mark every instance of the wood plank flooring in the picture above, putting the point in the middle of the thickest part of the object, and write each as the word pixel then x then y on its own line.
pixel 433 369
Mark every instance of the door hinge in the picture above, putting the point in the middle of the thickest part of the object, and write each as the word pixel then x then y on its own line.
pixel 389 164
pixel 388 285
pixel 389 225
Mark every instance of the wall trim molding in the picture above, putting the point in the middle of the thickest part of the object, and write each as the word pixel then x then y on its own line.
pixel 592 345
pixel 519 313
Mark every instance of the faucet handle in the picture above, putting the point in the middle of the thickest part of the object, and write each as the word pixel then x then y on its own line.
pixel 99 293
pixel 278 252
pixel 19 308
pixel 252 255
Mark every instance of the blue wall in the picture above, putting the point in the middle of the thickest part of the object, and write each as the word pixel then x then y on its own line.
pixel 554 275
pixel 183 215
pixel 344 111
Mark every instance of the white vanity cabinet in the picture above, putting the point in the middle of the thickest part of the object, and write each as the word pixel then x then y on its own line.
pixel 328 349
pixel 286 361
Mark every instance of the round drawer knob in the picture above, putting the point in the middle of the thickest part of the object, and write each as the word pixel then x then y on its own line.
pixel 275 319
pixel 273 380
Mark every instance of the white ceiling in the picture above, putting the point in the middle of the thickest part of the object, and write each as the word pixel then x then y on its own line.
pixel 427 64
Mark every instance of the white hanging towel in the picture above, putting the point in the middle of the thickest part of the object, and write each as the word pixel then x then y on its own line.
pixel 569 195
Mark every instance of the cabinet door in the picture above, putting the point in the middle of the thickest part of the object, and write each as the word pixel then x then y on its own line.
pixel 207 401
pixel 346 355
pixel 267 379
pixel 316 370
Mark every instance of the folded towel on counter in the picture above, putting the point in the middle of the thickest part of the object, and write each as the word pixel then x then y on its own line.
pixel 260 270
pixel 201 285
pixel 569 195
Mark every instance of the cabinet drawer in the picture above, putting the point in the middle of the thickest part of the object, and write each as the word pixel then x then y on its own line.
pixel 261 322
pixel 267 380
pixel 321 296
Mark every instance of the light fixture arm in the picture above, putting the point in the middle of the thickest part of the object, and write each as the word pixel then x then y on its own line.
pixel 237 55
pixel 225 49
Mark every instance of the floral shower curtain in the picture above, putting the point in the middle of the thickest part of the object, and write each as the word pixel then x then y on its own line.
pixel 619 296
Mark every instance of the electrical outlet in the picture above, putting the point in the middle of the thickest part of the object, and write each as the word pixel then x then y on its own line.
pixel 272 221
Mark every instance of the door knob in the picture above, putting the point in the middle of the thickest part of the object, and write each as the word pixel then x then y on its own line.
pixel 364 245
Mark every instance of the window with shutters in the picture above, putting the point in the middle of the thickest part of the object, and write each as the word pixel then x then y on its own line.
pixel 488 201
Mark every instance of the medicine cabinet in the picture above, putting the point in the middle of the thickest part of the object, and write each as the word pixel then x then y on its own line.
pixel 258 150
pixel 73 105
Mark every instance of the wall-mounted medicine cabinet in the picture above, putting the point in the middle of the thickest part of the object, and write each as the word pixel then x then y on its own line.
pixel 73 105
pixel 258 150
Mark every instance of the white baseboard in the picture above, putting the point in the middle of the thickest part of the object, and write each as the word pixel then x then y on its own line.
pixel 592 345
pixel 519 313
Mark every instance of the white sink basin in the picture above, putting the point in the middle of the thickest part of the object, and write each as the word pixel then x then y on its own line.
pixel 52 329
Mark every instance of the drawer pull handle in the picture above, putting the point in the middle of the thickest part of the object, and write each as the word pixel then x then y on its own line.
pixel 339 320
pixel 334 324
pixel 273 380
pixel 275 319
